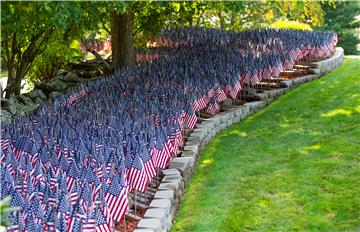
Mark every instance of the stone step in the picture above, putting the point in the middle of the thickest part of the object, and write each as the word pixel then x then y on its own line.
pixel 156 213
pixel 153 224
pixel 171 172
pixel 162 204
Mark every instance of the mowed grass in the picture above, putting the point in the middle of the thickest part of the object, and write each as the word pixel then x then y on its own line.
pixel 293 166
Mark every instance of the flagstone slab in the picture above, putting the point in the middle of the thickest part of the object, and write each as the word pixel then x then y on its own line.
pixel 179 166
pixel 169 186
pixel 161 203
pixel 193 141
pixel 189 154
pixel 205 128
pixel 193 148
pixel 206 123
pixel 165 194
pixel 153 224
pixel 262 96
pixel 171 172
pixel 156 213
pixel 314 71
pixel 223 117
pixel 144 230
pixel 215 120
pixel 198 134
pixel 172 179
pixel 238 111
pixel 286 83
pixel 255 105
pixel 187 160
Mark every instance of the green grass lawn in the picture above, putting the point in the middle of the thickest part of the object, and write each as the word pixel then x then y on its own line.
pixel 293 166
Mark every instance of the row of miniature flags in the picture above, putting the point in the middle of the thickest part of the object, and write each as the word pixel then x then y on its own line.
pixel 70 165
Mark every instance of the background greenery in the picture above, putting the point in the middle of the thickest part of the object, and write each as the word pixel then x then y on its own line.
pixel 341 20
pixel 43 37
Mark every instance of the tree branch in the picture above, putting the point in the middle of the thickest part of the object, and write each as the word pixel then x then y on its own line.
pixel 104 27
pixel 99 57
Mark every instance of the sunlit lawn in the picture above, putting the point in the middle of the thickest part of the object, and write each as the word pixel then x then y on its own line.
pixel 293 166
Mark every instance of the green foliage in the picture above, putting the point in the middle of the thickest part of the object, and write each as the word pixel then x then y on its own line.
pixel 284 23
pixel 57 56
pixel 306 11
pixel 4 211
pixel 49 28
pixel 292 166
pixel 341 19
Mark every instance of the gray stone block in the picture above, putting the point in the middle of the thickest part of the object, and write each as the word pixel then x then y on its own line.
pixel 238 111
pixel 172 179
pixel 223 117
pixel 156 213
pixel 237 118
pixel 286 83
pixel 161 203
pixel 314 71
pixel 199 135
pixel 150 223
pixel 193 148
pixel 262 96
pixel 165 194
pixel 171 172
pixel 182 167
pixel 190 161
pixel 215 120
pixel 222 126
pixel 206 124
pixel 193 141
pixel 269 100
pixel 144 230
pixel 255 105
pixel 167 186
pixel 188 154
pixel 204 127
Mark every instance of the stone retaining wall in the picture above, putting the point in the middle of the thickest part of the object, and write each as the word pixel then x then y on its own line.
pixel 163 208
pixel 330 64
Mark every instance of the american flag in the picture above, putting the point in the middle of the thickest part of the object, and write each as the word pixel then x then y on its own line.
pixel 4 145
pixel 63 204
pixel 50 219
pixel 61 225
pixel 220 95
pixel 213 107
pixel 57 150
pixel 16 199
pixel 136 175
pixel 116 198
pixel 74 195
pixel 31 226
pixel 101 224
pixel 149 167
pixel 90 224
pixel 52 198
pixel 72 175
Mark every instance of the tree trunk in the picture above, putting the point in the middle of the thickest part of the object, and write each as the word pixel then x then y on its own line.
pixel 13 86
pixel 123 53
pixel 221 19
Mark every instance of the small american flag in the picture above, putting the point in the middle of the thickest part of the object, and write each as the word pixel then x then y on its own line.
pixel 102 225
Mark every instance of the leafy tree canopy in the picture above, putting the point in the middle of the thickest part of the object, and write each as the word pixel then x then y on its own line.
pixel 35 35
